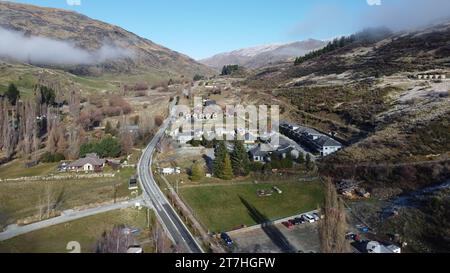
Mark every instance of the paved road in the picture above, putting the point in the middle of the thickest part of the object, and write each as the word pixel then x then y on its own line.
pixel 154 196
pixel 67 216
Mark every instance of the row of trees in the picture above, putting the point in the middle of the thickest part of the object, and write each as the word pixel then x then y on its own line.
pixel 229 69
pixel 331 46
pixel 12 94
pixel 369 35
pixel 227 165
pixel 107 147
pixel 27 122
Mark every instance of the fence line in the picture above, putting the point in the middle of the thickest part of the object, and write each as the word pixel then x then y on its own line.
pixel 58 177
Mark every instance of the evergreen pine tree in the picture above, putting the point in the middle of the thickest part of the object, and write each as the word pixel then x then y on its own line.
pixel 197 172
pixel 219 153
pixel 239 159
pixel 301 158
pixel 12 94
pixel 227 172
pixel 308 162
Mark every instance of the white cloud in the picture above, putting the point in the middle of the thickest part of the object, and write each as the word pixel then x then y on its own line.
pixel 397 15
pixel 40 50
pixel 374 2
pixel 73 2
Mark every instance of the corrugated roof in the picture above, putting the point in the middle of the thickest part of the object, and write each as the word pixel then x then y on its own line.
pixel 327 141
pixel 87 160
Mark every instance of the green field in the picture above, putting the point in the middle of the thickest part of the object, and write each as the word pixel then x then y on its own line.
pixel 17 169
pixel 223 208
pixel 22 198
pixel 86 231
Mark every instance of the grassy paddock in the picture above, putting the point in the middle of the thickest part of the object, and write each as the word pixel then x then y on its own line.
pixel 21 199
pixel 17 169
pixel 222 207
pixel 86 231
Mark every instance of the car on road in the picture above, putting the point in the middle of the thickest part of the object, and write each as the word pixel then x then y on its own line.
pixel 288 224
pixel 226 238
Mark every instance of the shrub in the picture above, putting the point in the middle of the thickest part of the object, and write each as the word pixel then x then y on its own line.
pixel 107 147
pixel 52 158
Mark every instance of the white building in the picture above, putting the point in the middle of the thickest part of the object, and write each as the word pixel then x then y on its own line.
pixel 90 163
pixel 326 145
pixel 183 138
pixel 376 247
pixel 170 171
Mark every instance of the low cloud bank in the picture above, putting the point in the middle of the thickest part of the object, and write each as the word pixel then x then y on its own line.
pixel 394 14
pixel 39 50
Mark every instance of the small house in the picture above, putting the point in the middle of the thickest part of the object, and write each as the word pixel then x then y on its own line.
pixel 133 183
pixel 170 171
pixel 90 163
pixel 258 154
pixel 326 145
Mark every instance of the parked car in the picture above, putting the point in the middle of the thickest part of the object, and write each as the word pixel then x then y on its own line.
pixel 350 236
pixel 363 229
pixel 298 221
pixel 315 216
pixel 308 218
pixel 288 224
pixel 226 238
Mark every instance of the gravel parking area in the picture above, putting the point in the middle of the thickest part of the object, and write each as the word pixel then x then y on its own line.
pixel 303 238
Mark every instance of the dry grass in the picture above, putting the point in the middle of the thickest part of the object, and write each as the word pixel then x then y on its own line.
pixel 21 199
pixel 86 231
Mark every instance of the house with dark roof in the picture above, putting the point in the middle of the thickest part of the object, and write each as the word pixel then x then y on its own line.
pixel 259 154
pixel 326 145
pixel 311 138
pixel 90 163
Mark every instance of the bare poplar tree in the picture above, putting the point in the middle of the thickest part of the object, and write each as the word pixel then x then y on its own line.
pixel 74 104
pixel 162 243
pixel 146 123
pixel 8 131
pixel 115 241
pixel 3 117
pixel 29 129
pixel 127 142
pixel 75 133
pixel 333 227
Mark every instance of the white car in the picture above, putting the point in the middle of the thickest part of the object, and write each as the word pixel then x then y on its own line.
pixel 315 216
pixel 308 218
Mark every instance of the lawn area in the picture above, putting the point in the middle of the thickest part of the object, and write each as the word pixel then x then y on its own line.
pixel 86 231
pixel 221 208
pixel 20 199
pixel 17 169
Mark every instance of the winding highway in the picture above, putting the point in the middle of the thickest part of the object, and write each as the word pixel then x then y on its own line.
pixel 168 217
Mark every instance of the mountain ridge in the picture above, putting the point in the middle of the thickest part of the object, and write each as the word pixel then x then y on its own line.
pixel 91 35
pixel 263 55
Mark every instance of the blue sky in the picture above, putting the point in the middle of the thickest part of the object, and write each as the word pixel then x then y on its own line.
pixel 202 28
